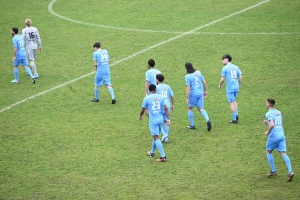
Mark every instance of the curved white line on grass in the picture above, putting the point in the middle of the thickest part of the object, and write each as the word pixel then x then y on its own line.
pixel 99 25
pixel 133 55
pixel 50 9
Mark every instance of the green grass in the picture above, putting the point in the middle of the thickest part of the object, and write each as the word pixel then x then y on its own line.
pixel 59 145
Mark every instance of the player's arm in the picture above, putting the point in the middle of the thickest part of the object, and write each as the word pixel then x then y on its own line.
pixel 146 87
pixel 172 101
pixel 240 81
pixel 167 113
pixel 15 51
pixel 39 40
pixel 142 113
pixel 95 65
pixel 24 35
pixel 271 126
pixel 187 93
pixel 204 88
pixel 221 81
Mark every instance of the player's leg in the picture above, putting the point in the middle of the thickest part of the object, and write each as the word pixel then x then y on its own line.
pixel 155 129
pixel 16 74
pixel 232 103
pixel 236 107
pixel 190 105
pixel 24 62
pixel 200 106
pixel 31 53
pixel 165 130
pixel 270 145
pixel 151 152
pixel 107 82
pixel 16 64
pixel 281 147
pixel 163 133
pixel 97 82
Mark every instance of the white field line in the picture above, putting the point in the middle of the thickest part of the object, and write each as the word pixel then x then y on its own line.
pixel 262 33
pixel 153 31
pixel 171 32
pixel 133 55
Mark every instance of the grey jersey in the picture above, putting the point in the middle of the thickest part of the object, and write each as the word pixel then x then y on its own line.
pixel 31 36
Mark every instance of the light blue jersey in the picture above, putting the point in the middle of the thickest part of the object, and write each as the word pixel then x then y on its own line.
pixel 101 56
pixel 231 73
pixel 151 76
pixel 155 104
pixel 18 42
pixel 277 131
pixel 194 80
pixel 166 91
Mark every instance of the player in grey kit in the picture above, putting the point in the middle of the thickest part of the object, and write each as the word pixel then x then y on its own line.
pixel 33 40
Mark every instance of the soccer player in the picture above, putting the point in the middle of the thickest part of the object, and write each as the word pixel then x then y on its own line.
pixel 19 55
pixel 195 92
pixel 101 64
pixel 166 91
pixel 150 75
pixel 276 138
pixel 233 76
pixel 32 37
pixel 156 106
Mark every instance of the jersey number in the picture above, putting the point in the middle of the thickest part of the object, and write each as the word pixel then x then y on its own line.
pixel 277 120
pixel 21 44
pixel 155 106
pixel 233 74
pixel 196 81
pixel 104 58
pixel 31 35
pixel 164 94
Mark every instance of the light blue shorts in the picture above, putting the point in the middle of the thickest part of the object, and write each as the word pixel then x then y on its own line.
pixel 155 129
pixel 231 96
pixel 278 144
pixel 196 101
pixel 19 61
pixel 100 79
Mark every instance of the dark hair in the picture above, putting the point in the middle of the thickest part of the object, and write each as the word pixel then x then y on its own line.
pixel 97 45
pixel 151 62
pixel 189 68
pixel 160 77
pixel 271 102
pixel 227 56
pixel 152 87
pixel 15 30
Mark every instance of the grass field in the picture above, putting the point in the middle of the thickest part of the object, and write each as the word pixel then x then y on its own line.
pixel 56 144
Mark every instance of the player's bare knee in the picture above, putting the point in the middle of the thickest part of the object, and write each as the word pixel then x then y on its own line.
pixel 156 137
pixel 282 153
